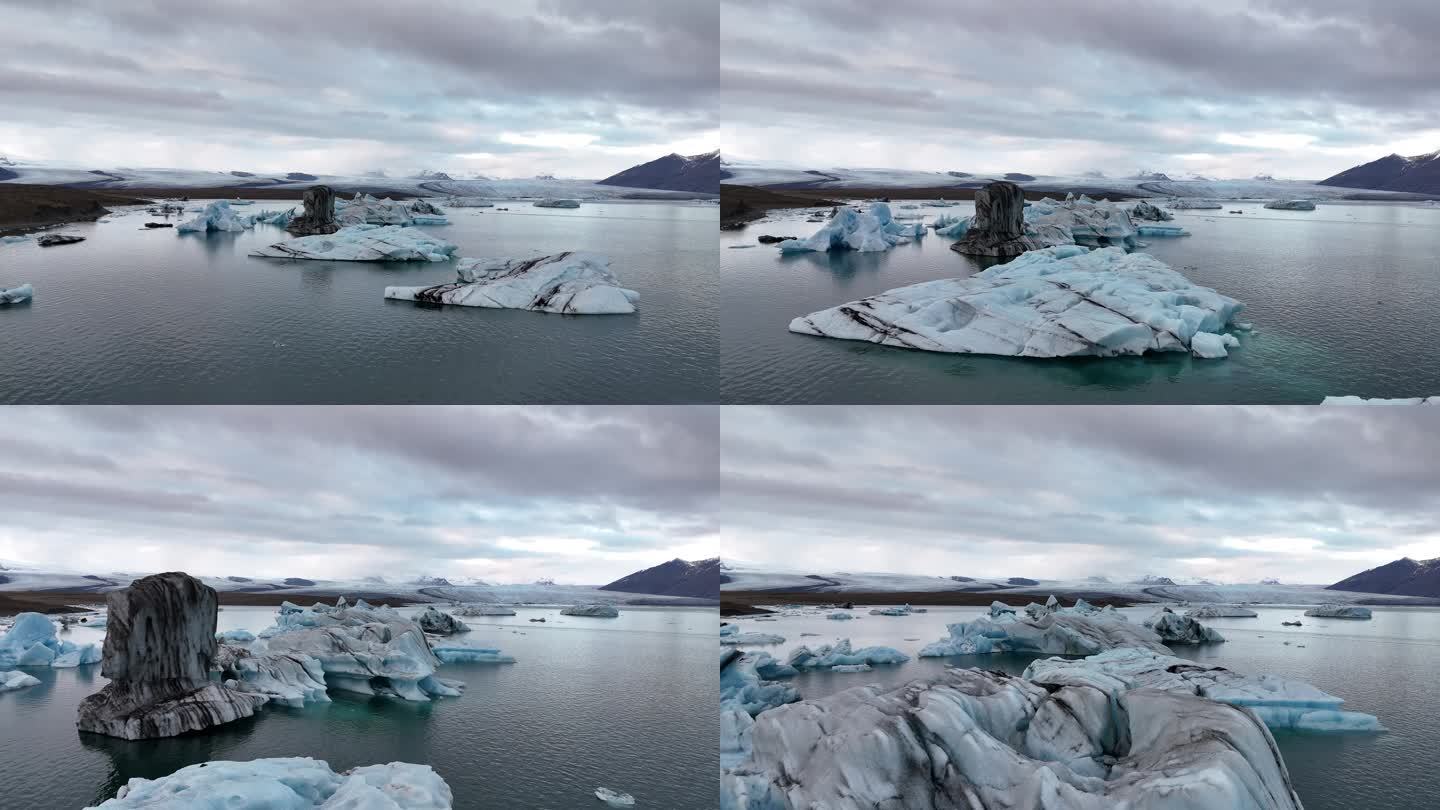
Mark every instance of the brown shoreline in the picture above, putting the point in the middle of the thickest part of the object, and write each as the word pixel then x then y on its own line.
pixel 26 208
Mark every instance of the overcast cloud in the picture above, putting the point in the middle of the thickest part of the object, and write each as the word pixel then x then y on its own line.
pixel 569 87
pixel 584 495
pixel 1228 88
pixel 1307 495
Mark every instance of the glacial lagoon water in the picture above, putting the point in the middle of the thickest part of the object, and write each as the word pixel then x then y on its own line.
pixel 617 703
pixel 1341 298
pixel 136 315
pixel 1383 667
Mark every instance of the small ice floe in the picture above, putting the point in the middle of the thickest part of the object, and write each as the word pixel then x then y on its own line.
pixel 8 240
pixel 1057 302
pixel 614 798
pixel 840 616
pixel 217 216
pixel 15 679
pixel 468 202
pixel 235 636
pixel 902 610
pixel 290 782
pixel 52 239
pixel 829 656
pixel 363 243
pixel 455 653
pixel 850 668
pixel 1291 205
pixel 1194 205
pixel 1339 612
pixel 549 203
pixel 567 283
pixel 594 611
pixel 16 295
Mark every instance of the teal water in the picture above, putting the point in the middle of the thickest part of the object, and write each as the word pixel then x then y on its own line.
pixel 1341 298
pixel 151 316
pixel 625 703
pixel 1383 667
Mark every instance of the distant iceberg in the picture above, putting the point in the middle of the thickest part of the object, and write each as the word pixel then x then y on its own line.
pixel 869 232
pixel 614 798
pixel 1339 612
pixel 1198 205
pixel 363 243
pixel 1046 633
pixel 1221 612
pixel 548 203
pixel 595 611
pixel 1058 302
pixel 16 295
pixel 1176 629
pixel 217 216
pixel 1291 205
pixel 364 209
pixel 455 653
pixel 1352 400
pixel 828 656
pixel 565 283
pixel 468 202
pixel 293 783
pixel 31 642
pixel 483 610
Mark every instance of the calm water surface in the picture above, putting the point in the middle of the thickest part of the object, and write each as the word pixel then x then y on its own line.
pixel 625 703
pixel 1383 667
pixel 1340 298
pixel 135 315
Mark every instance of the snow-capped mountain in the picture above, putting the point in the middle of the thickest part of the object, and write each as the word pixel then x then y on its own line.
pixel 674 173
pixel 1418 173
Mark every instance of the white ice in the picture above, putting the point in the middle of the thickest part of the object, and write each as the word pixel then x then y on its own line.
pixel 1081 630
pixel 1339 612
pixel 1176 629
pixel 840 616
pixel 235 636
pixel 868 232
pixel 1057 302
pixel 483 610
pixel 828 656
pixel 31 642
pixel 15 679
pixel 458 653
pixel 217 216
pixel 287 783
pixel 1221 612
pixel 1352 400
pixel 15 295
pixel 595 611
pixel 614 798
pixel 569 283
pixel 291 678
pixel 364 243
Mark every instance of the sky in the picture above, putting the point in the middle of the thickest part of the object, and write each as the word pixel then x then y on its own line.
pixel 1298 89
pixel 584 495
pixel 1307 495
pixel 574 88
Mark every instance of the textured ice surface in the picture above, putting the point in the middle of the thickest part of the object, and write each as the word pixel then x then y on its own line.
pixel 1291 205
pixel 86 654
pixel 468 202
pixel 1202 205
pixel 15 295
pixel 840 654
pixel 593 611
pixel 1150 213
pixel 11 680
pixel 1352 400
pixel 288 783
pixel 290 678
pixel 850 229
pixel 1221 612
pixel 1079 220
pixel 1058 302
pixel 235 636
pixel 840 616
pixel 31 642
pixel 483 610
pixel 1161 230
pixel 747 688
pixel 1176 629
pixel 991 741
pixel 1080 630
pixel 281 218
pixel 217 216
pixel 1339 612
pixel 735 637
pixel 569 283
pixel 614 798
pixel 1282 703
pixel 457 653
pixel 364 243
pixel 548 203
pixel 438 622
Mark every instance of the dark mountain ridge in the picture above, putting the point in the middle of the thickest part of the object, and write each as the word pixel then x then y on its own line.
pixel 700 578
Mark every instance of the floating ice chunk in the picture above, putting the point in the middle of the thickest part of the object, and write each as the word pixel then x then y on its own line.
pixel 1194 205
pixel 1221 612
pixel 951 225
pixel 217 216
pixel 235 636
pixel 30 642
pixel 1161 230
pixel 1150 213
pixel 291 783
pixel 1211 346
pixel 428 219
pixel 281 218
pixel 468 202
pixel 1081 220
pixel 364 209
pixel 733 636
pixel 902 610
pixel 549 203
pixel 1058 302
pixel 7 240
pixel 869 232
pixel 1047 633
pixel 989 740
pixel 595 611
pixel 364 243
pixel 1281 703
pixel 569 283
pixel 1176 629
pixel 15 295
pixel 15 679
pixel 1339 612
pixel 745 691
pixel 840 616
pixel 850 668
pixel 483 610
pixel 290 678
pixel 453 653
pixel 827 656
pixel 614 798
pixel 1352 400
pixel 999 610
pixel 86 654
pixel 440 623
pixel 1291 205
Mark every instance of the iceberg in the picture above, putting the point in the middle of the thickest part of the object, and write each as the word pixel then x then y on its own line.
pixel 281 218
pixel 367 210
pixel 16 295
pixel 1221 612
pixel 595 611
pixel 1176 629
pixel 15 679
pixel 236 636
pixel 1058 302
pixel 1049 633
pixel 290 678
pixel 465 654
pixel 1291 205
pixel 840 616
pixel 828 656
pixel 1150 213
pixel 31 642
pixel 292 783
pixel 1083 221
pixel 1161 230
pixel 1352 400
pixel 747 688
pixel 468 202
pixel 440 623
pixel 869 232
pixel 992 741
pixel 734 637
pixel 483 610
pixel 568 283
pixel 901 610
pixel 363 243
pixel 87 654
pixel 217 216
pixel 549 203
pixel 950 225
pixel 1281 703
pixel 1339 612
pixel 1193 205
pixel 614 798
pixel 8 240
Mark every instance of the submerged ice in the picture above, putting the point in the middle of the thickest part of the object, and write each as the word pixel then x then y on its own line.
pixel 1059 302
pixel 569 283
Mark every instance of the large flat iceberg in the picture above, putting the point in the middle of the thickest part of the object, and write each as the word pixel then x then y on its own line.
pixel 288 783
pixel 595 611
pixel 850 229
pixel 568 283
pixel 1047 634
pixel 1339 612
pixel 1059 302
pixel 364 243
